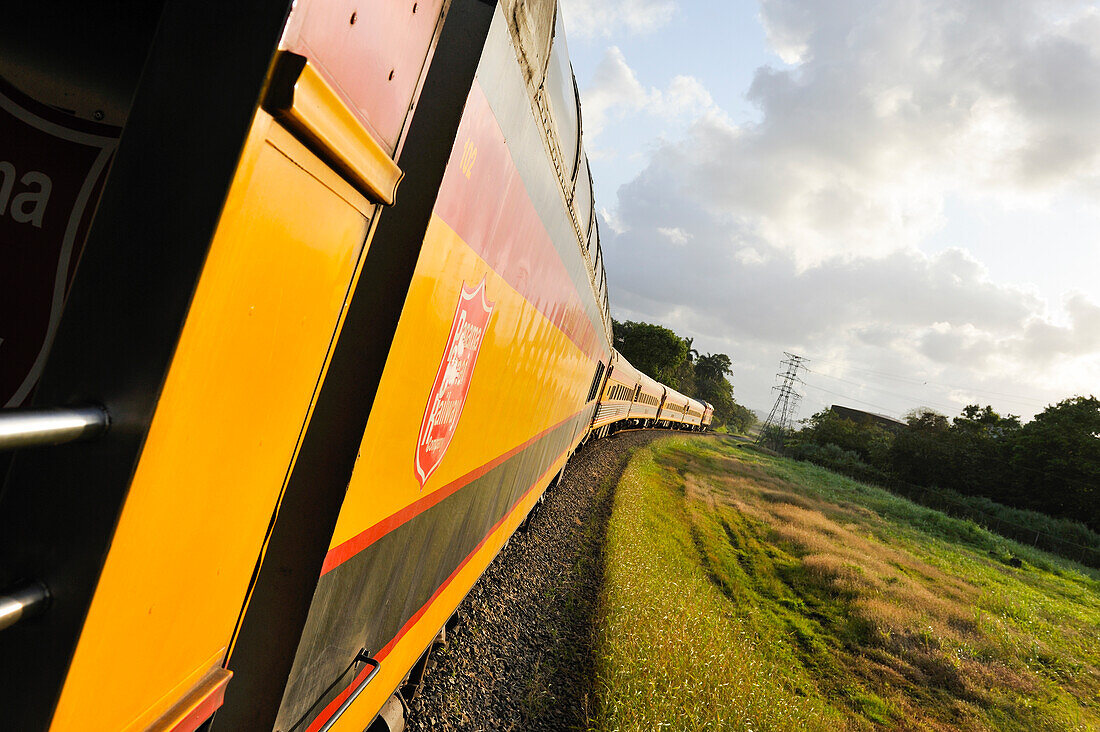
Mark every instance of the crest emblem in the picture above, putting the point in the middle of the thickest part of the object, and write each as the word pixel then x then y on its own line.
pixel 452 380
pixel 51 173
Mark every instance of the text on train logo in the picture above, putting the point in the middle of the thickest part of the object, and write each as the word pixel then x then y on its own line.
pixel 28 205
pixel 452 380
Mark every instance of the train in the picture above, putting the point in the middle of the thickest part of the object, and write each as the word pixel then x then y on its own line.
pixel 302 309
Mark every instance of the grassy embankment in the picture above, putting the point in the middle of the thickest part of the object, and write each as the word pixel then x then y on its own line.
pixel 749 592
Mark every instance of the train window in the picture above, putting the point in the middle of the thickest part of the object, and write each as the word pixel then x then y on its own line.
pixel 582 195
pixel 594 238
pixel 595 383
pixel 580 120
pixel 559 87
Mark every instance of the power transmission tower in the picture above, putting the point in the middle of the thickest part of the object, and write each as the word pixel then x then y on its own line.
pixel 781 418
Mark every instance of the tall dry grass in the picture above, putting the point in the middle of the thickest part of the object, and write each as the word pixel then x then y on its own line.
pixel 749 592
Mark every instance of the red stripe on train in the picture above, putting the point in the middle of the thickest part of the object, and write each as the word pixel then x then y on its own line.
pixel 348 549
pixel 332 706
pixel 484 200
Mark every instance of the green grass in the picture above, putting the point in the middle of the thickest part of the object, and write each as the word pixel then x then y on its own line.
pixel 746 591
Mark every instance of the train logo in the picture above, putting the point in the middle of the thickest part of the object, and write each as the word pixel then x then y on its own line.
pixel 452 380
pixel 50 175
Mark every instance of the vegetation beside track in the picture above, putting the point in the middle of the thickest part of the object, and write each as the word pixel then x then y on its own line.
pixel 745 591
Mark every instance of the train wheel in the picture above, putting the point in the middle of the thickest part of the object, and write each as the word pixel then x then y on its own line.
pixel 391 718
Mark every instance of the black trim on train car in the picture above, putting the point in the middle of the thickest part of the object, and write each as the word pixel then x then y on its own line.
pixel 202 80
pixel 391 579
pixel 263 650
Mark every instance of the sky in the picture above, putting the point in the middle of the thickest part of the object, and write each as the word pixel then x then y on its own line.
pixel 905 192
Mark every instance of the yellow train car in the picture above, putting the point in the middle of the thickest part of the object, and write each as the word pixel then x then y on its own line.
pixel 693 415
pixel 230 291
pixel 650 392
pixel 618 395
pixel 673 408
pixel 315 292
pixel 708 416
pixel 486 391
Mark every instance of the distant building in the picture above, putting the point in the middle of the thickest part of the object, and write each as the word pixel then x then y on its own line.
pixel 860 417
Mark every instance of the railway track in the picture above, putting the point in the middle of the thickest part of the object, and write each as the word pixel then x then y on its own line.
pixel 521 655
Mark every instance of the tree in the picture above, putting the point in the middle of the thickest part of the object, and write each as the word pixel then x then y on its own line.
pixel 653 349
pixel 979 443
pixel 741 418
pixel 672 360
pixel 683 379
pixel 921 452
pixel 1057 460
pixel 713 367
pixel 984 421
pixel 1050 465
pixel 865 438
pixel 712 384
pixel 692 353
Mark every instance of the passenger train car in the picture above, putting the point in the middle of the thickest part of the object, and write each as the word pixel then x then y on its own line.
pixel 314 297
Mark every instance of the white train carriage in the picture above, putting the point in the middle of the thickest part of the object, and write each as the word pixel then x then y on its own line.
pixel 617 395
pixel 647 400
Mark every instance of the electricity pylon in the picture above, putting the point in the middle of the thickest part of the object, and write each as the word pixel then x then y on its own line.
pixel 781 418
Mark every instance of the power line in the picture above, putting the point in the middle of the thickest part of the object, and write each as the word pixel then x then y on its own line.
pixel 924 382
pixel 889 412
pixel 915 400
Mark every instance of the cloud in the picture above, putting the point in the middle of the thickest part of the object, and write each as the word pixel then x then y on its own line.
pixel 751 289
pixel 904 311
pixel 677 236
pixel 592 18
pixel 803 229
pixel 615 93
pixel 891 106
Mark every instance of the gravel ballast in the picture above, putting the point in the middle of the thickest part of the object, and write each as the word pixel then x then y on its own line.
pixel 522 654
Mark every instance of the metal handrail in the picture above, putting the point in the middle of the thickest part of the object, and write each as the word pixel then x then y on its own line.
pixel 35 427
pixel 22 602
pixel 361 658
